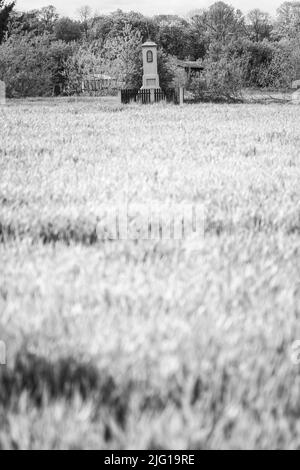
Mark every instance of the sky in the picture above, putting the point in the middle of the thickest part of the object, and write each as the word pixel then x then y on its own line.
pixel 147 7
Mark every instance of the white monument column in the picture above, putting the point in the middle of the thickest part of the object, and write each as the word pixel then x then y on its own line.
pixel 150 75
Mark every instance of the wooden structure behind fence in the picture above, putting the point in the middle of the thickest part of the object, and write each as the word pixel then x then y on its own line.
pixel 98 85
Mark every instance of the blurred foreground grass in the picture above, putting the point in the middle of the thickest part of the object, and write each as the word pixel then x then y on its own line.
pixel 149 344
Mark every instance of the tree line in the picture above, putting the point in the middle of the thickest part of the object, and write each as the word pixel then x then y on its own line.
pixel 39 50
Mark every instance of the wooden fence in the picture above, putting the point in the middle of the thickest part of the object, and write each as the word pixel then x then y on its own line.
pixel 149 96
pixel 128 95
pixel 144 96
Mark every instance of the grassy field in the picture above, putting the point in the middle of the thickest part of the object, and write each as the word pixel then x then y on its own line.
pixel 144 344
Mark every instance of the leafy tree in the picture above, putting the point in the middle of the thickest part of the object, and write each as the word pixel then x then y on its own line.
pixel 221 23
pixel 120 57
pixel 32 65
pixel 48 17
pixel 123 56
pixel 85 15
pixel 268 64
pixel 24 23
pixel 86 60
pixel 5 12
pixel 294 46
pixel 167 69
pixel 288 20
pixel 34 22
pixel 174 36
pixel 112 25
pixel 259 25
pixel 67 30
pixel 280 71
pixel 260 56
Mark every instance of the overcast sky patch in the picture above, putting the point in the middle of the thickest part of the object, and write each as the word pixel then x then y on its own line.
pixel 147 7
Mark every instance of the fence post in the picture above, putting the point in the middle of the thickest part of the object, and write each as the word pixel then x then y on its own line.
pixel 2 353
pixel 181 95
pixel 120 96
pixel 2 93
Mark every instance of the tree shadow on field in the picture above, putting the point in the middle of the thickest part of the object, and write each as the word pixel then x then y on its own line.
pixel 66 378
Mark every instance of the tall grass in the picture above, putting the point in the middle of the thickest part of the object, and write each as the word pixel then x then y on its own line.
pixel 149 344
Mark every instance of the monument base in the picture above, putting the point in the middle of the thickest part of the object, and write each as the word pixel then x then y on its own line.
pixel 150 82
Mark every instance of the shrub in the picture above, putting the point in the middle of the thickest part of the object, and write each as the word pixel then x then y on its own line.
pixel 267 64
pixel 222 78
pixel 260 55
pixel 32 66
pixel 270 65
pixel 279 72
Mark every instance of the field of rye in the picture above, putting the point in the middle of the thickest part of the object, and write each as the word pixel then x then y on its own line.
pixel 138 343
